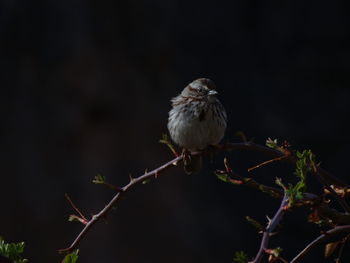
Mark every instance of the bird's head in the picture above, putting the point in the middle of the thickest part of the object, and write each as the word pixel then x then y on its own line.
pixel 200 88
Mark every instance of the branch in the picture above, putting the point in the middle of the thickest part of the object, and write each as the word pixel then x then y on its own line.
pixel 82 218
pixel 327 235
pixel 158 171
pixel 271 226
pixel 133 181
pixel 236 179
pixel 330 179
pixel 325 178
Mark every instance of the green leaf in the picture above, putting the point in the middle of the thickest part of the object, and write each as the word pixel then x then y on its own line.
pixel 279 182
pixel 272 143
pixel 71 257
pixel 75 218
pixel 240 257
pixel 305 160
pixel 222 177
pixel 99 179
pixel 276 252
pixel 12 251
pixel 255 223
pixel 146 181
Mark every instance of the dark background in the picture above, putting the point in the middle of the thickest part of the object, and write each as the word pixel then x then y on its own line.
pixel 85 89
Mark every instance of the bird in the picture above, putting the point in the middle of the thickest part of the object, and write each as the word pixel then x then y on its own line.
pixel 197 120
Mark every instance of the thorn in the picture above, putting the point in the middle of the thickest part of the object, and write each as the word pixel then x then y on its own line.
pixel 268 219
pixel 227 165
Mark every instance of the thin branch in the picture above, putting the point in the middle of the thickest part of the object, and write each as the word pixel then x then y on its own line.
pixel 158 171
pixel 267 162
pixel 134 181
pixel 270 228
pixel 330 179
pixel 323 176
pixel 325 236
pixel 76 208
pixel 236 179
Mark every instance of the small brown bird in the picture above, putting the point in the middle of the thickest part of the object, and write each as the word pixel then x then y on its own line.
pixel 197 120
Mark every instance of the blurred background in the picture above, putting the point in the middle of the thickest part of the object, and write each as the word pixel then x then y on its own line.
pixel 85 91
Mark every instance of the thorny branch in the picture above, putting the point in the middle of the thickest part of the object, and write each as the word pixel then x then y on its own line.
pixel 327 178
pixel 237 179
pixel 270 228
pixel 251 146
pixel 133 181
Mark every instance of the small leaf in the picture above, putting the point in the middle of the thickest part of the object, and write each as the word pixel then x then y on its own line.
pixel 330 248
pixel 223 177
pixel 12 251
pixel 71 257
pixel 278 181
pixel 274 254
pixel 72 218
pixel 99 179
pixel 146 181
pixel 240 257
pixel 255 223
pixel 271 143
pixel 76 218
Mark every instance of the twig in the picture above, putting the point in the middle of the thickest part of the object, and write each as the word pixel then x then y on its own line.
pixel 275 153
pixel 84 220
pixel 267 162
pixel 271 226
pixel 108 207
pixel 324 177
pixel 329 234
pixel 236 179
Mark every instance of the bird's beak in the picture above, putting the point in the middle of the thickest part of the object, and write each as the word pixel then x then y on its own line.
pixel 212 92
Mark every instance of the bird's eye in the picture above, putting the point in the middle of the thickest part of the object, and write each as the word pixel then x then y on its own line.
pixel 201 90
